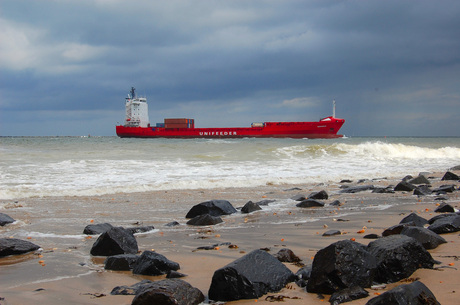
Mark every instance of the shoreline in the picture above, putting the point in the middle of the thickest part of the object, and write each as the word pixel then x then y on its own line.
pixel 278 226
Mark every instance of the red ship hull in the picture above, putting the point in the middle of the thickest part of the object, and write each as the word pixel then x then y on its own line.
pixel 324 129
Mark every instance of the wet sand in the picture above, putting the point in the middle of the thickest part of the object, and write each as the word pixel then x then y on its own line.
pixel 68 273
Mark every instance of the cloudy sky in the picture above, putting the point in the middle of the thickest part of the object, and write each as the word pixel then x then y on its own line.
pixel 393 67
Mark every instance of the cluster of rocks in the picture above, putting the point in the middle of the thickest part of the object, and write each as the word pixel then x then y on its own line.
pixel 14 246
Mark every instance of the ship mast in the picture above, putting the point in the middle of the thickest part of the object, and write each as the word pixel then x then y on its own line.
pixel 333 108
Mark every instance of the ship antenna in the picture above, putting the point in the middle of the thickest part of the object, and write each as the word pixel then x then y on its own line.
pixel 333 108
pixel 133 93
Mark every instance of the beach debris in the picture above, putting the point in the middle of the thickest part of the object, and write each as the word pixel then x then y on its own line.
pixel 348 295
pixel 319 195
pixel 115 241
pixel 397 257
pixel 204 220
pixel 287 256
pixel 450 176
pixel 428 238
pixel 341 265
pixel 250 207
pixel 14 246
pixel 446 224
pixel 5 219
pixel 445 208
pixel 168 291
pixel 213 247
pixel 121 262
pixel 415 219
pixel 414 293
pixel 153 263
pixel 95 295
pixel 332 233
pixel 404 186
pixel 279 298
pixel 249 277
pixel 99 228
pixel 212 207
pixel 309 203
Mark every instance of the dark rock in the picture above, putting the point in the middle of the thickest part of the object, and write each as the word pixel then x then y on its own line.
pixel 13 246
pixel 319 195
pixel 298 197
pixel 212 207
pixel 341 265
pixel 115 241
pixel 249 277
pixel 356 189
pixel 293 189
pixel 152 263
pixel 168 292
pixel 309 203
pixel 172 224
pixel 433 219
pixel 97 228
pixel 303 274
pixel 5 219
pixel 408 177
pixel 445 189
pixel 421 179
pixel 265 202
pixel 214 246
pixel 348 295
pixel 446 225
pixel 441 198
pixel 135 230
pixel 121 262
pixel 422 190
pixel 404 186
pixel 335 203
pixel 345 181
pixel 445 208
pixel 204 220
pixel 287 256
pixel 332 233
pixel 130 290
pixel 250 207
pixel 450 176
pixel 415 293
pixel 398 256
pixel 455 168
pixel 417 220
pixel 174 274
pixel 427 238
pixel 371 236
pixel 395 230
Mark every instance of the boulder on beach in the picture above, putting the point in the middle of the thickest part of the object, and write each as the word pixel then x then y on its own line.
pixel 168 292
pixel 120 262
pixel 450 176
pixel 433 219
pixel 341 265
pixel 152 263
pixel 422 190
pixel 348 295
pixel 115 241
pixel 415 293
pixel 396 229
pixel 445 225
pixel 445 189
pixel 298 197
pixel 332 233
pixel 398 256
pixel 445 208
pixel 172 274
pixel 204 220
pixel 319 195
pixel 287 256
pixel 14 246
pixel 249 277
pixel 309 203
pixel 427 238
pixel 5 219
pixel 250 207
pixel 211 207
pixel 421 179
pixel 404 186
pixel 356 189
pixel 98 228
pixel 130 290
pixel 302 275
pixel 416 219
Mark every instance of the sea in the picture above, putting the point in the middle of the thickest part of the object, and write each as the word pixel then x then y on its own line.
pixel 91 166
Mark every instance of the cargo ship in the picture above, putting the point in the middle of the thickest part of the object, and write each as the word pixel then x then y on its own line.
pixel 137 125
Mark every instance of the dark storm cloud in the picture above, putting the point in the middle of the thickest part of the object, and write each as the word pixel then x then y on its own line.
pixel 392 66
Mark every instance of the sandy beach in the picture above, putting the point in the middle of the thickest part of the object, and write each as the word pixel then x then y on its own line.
pixel 65 273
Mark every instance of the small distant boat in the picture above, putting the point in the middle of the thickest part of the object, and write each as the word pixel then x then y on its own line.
pixel 137 125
